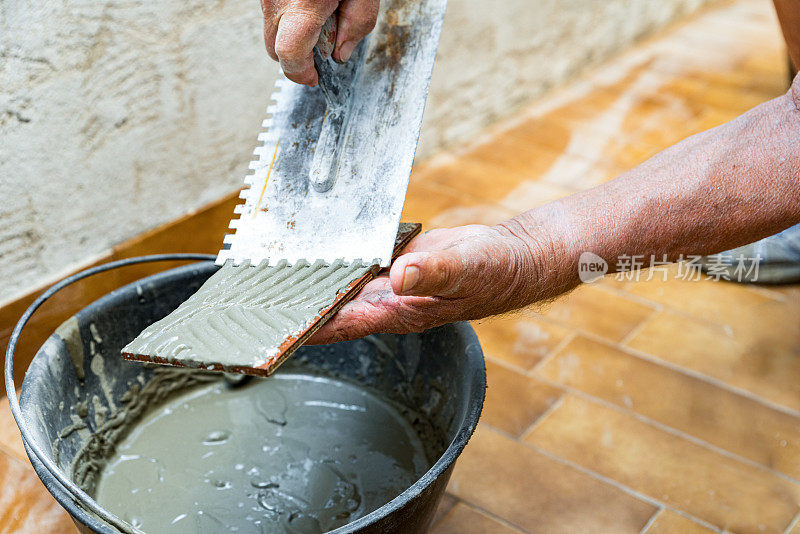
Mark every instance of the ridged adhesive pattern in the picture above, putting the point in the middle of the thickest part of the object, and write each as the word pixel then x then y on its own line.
pixel 242 314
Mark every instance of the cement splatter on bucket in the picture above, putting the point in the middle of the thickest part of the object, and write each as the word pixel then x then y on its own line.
pixel 353 437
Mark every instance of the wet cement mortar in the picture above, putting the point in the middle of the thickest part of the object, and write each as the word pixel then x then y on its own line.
pixel 303 451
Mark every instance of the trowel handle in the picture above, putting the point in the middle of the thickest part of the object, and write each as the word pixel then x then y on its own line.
pixel 326 66
pixel 327 37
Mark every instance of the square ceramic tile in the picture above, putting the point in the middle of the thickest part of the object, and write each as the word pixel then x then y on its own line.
pixel 723 491
pixel 668 522
pixel 515 401
pixel 520 339
pixel 761 359
pixel 600 311
pixel 538 494
pixel 737 423
pixel 464 519
pixel 25 505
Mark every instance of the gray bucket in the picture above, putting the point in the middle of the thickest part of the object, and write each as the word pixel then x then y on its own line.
pixel 439 373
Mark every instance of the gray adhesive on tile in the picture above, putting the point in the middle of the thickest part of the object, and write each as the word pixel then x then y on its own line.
pixel 242 314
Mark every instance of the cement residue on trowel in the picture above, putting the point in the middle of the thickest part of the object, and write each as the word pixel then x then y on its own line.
pixel 243 314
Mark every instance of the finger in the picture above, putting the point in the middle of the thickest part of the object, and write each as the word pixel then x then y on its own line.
pixel 437 273
pixel 367 313
pixel 270 8
pixel 423 242
pixel 377 309
pixel 356 19
pixel 344 326
pixel 441 238
pixel 297 33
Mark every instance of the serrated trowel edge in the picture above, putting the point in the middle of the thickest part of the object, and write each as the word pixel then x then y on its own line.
pixel 269 146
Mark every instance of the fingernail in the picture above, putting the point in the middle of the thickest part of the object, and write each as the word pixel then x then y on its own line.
pixel 346 50
pixel 410 278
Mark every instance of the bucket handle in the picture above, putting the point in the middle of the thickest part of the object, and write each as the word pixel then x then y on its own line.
pixel 81 498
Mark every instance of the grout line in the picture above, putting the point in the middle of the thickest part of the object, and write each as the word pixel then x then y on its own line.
pixel 493 515
pixel 774 405
pixel 684 515
pixel 606 480
pixel 690 517
pixel 624 293
pixel 708 379
pixel 506 365
pixel 550 356
pixel 638 328
pixel 767 292
pixel 611 71
pixel 599 77
pixel 652 520
pixel 663 307
pixel 673 431
pixel 610 481
pixel 461 500
pixel 795 522
pixel 550 409
pixel 702 319
pixel 9 452
pixel 498 430
pixel 450 511
pixel 14 458
pixel 768 403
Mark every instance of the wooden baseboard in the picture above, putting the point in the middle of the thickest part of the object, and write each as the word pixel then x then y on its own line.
pixel 199 231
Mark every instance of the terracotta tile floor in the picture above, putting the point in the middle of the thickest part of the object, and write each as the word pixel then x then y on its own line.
pixel 627 406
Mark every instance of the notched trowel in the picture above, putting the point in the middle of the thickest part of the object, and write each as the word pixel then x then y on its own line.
pixel 322 207
pixel 330 180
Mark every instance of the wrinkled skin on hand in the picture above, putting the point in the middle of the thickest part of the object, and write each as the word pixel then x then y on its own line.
pixel 445 275
pixel 292 28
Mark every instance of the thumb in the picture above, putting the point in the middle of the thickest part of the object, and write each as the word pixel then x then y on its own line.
pixel 438 273
pixel 356 19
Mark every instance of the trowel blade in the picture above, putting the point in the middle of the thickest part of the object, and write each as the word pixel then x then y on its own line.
pixel 283 216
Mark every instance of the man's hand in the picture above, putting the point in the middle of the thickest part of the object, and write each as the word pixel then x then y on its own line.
pixel 713 191
pixel 445 275
pixel 292 28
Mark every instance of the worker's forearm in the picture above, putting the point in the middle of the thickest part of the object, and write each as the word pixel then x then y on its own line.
pixel 714 191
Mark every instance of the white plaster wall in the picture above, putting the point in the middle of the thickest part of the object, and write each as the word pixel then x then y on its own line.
pixel 117 116
pixel 497 55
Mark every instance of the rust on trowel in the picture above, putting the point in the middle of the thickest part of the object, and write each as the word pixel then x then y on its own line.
pixel 291 343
